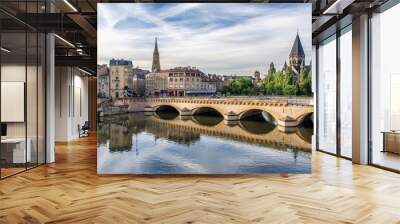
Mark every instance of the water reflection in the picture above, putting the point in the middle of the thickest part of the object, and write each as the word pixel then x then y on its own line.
pixel 167 143
pixel 166 115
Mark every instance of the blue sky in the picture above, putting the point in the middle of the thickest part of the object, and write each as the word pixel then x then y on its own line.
pixel 217 38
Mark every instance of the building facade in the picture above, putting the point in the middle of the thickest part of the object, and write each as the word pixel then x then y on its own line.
pixel 139 81
pixel 121 76
pixel 156 83
pixel 189 81
pixel 103 81
pixel 217 80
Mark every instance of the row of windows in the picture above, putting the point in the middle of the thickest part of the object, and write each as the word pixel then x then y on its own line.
pixel 118 70
pixel 181 79
pixel 192 86
pixel 185 74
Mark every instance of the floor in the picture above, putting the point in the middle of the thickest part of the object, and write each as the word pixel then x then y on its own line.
pixel 10 171
pixel 387 159
pixel 70 191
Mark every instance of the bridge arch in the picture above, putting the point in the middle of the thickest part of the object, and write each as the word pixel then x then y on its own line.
pixel 258 112
pixel 164 107
pixel 301 118
pixel 206 110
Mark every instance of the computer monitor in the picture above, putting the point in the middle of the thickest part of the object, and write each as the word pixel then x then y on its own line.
pixel 3 129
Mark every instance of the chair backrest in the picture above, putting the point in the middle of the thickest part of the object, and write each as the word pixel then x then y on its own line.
pixel 86 125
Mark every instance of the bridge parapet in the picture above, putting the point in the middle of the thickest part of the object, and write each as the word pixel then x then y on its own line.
pixel 225 101
pixel 305 101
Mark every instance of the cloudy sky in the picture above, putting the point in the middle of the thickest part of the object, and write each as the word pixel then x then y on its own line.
pixel 217 38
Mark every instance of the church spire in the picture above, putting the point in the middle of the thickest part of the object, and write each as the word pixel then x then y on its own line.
pixel 297 48
pixel 156 58
pixel 156 47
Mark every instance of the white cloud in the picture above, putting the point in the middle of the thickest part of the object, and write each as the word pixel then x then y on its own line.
pixel 217 38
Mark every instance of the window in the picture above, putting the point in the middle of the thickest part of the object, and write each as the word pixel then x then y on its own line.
pixel 327 96
pixel 385 89
pixel 346 93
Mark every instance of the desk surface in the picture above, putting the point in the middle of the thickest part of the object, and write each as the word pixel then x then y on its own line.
pixel 390 132
pixel 13 140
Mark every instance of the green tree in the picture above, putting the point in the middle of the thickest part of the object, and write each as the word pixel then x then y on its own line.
pixel 241 86
pixel 281 82
pixel 305 83
pixel 290 90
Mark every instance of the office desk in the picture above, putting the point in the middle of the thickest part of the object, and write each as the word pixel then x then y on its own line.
pixel 13 150
pixel 391 141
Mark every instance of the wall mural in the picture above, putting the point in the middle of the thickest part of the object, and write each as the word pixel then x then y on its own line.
pixel 204 88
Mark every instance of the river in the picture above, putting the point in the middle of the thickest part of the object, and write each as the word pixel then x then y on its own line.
pixel 165 143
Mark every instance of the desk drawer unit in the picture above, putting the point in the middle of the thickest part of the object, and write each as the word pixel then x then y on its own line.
pixel 391 142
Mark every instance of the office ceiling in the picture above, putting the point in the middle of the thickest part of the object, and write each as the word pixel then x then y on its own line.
pixel 75 21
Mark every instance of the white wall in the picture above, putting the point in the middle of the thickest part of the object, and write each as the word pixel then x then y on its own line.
pixel 71 102
pixel 33 125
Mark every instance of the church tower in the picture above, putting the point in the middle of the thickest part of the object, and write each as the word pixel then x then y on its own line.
pixel 156 59
pixel 296 57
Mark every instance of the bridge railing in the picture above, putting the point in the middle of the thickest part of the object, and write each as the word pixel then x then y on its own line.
pixel 292 100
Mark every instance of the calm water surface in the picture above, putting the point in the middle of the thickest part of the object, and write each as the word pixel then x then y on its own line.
pixel 164 143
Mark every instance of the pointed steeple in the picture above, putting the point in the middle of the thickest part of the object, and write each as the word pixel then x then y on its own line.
pixel 156 58
pixel 155 46
pixel 297 48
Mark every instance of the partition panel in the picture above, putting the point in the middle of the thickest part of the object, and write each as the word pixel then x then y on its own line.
pixel 15 149
pixel 22 76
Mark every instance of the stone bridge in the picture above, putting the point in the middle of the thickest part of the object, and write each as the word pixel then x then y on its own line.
pixel 288 112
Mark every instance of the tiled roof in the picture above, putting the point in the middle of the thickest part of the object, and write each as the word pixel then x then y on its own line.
pixel 120 62
pixel 297 48
pixel 185 69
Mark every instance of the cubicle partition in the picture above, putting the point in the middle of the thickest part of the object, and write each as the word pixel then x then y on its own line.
pixel 22 77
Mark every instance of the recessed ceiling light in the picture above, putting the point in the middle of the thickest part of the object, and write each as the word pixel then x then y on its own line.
pixel 338 6
pixel 5 50
pixel 70 5
pixel 86 72
pixel 64 40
